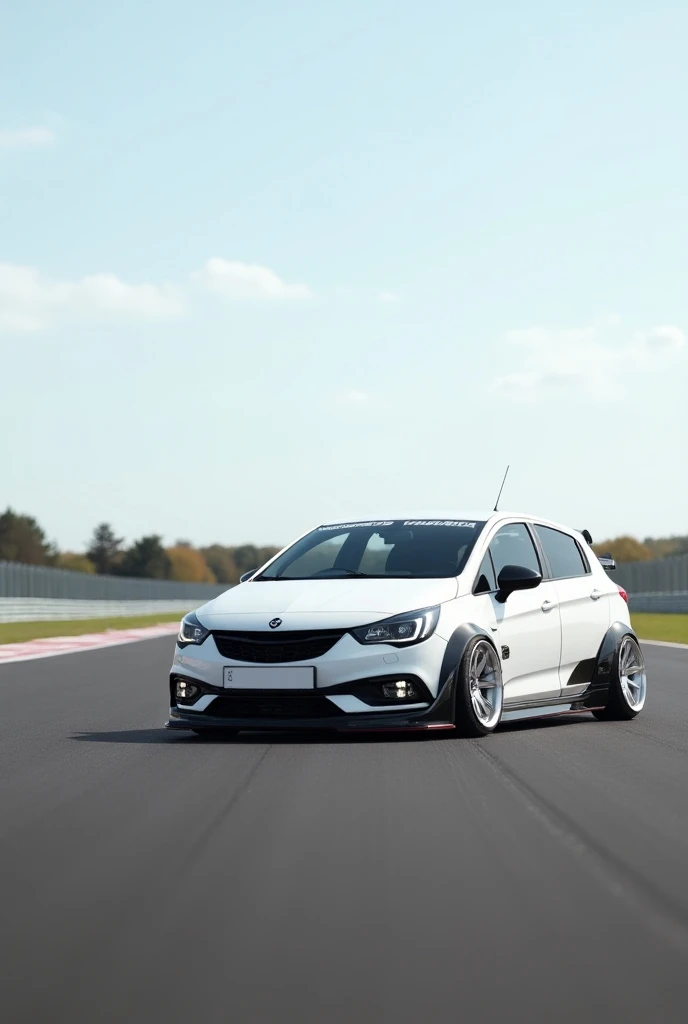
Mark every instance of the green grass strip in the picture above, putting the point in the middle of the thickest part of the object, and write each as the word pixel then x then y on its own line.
pixel 17 632
pixel 672 628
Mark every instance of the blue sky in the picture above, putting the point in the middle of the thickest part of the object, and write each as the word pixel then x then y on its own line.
pixel 266 264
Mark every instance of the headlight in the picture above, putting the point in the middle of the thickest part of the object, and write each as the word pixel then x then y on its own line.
pixel 409 628
pixel 191 631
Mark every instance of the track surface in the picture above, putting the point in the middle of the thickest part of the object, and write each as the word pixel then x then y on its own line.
pixel 540 874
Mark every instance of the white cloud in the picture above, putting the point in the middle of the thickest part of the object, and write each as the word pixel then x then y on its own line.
pixel 27 138
pixel 232 279
pixel 588 362
pixel 31 302
pixel 664 337
pixel 388 297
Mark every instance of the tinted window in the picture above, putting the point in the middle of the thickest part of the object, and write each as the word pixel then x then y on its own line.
pixel 512 545
pixel 318 558
pixel 486 582
pixel 419 549
pixel 562 552
pixel 377 551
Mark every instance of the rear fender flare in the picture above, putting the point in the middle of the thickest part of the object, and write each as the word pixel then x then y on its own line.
pixel 605 655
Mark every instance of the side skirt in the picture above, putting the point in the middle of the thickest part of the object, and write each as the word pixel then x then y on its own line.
pixel 550 711
pixel 594 698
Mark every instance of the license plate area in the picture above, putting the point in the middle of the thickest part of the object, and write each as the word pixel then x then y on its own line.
pixel 269 677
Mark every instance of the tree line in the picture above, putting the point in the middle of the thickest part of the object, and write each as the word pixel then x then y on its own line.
pixel 629 549
pixel 22 539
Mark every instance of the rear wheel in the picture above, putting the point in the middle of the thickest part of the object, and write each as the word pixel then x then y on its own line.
pixel 628 683
pixel 479 692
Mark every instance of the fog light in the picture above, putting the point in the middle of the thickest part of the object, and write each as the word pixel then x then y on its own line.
pixel 401 689
pixel 185 690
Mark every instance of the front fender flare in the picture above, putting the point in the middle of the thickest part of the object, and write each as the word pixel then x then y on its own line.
pixel 453 655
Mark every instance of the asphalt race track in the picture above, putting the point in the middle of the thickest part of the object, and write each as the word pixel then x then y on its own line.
pixel 540 874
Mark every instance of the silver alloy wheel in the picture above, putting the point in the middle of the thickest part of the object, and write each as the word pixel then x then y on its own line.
pixel 485 683
pixel 632 674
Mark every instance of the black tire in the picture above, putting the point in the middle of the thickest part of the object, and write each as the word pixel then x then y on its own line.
pixel 468 723
pixel 620 707
pixel 216 734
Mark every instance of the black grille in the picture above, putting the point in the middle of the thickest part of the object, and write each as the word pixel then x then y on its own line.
pixel 277 706
pixel 271 648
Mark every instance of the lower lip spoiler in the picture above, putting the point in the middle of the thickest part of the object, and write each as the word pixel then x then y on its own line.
pixel 347 725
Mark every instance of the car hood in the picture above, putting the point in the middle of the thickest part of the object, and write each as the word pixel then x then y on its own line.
pixel 323 604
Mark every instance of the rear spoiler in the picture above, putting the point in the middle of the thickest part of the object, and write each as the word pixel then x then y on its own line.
pixel 606 561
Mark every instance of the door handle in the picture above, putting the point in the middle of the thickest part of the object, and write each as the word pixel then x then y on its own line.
pixel 547 606
pixel 596 595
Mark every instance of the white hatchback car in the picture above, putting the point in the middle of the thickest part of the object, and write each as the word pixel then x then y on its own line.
pixel 452 621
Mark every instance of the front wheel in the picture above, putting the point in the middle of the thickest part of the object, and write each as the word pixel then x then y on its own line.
pixel 628 683
pixel 479 690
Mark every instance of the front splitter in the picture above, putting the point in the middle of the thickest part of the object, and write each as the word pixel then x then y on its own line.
pixel 361 723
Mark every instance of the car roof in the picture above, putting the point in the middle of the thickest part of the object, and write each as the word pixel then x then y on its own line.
pixel 453 515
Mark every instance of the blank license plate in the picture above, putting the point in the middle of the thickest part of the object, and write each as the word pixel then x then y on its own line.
pixel 267 677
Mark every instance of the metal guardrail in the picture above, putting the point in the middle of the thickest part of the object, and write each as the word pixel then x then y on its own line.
pixel 46 609
pixel 18 580
pixel 660 585
pixel 661 603
pixel 659 576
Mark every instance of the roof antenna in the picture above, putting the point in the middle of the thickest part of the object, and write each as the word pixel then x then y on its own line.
pixel 500 490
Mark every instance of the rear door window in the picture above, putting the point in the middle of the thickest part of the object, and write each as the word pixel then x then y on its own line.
pixel 563 554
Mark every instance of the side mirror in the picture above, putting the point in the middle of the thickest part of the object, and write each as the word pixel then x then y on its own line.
pixel 247 575
pixel 607 562
pixel 516 577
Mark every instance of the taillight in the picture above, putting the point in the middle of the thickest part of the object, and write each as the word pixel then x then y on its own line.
pixel 622 593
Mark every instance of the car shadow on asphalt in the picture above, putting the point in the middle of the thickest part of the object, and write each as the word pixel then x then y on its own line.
pixel 154 736
pixel 534 724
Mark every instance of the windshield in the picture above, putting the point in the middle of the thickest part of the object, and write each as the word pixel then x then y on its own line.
pixel 414 549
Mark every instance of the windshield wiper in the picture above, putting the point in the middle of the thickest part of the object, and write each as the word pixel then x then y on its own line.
pixel 337 573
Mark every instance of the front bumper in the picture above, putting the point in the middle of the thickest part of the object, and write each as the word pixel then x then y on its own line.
pixel 343 697
pixel 276 715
